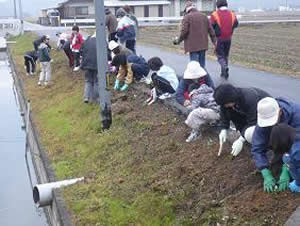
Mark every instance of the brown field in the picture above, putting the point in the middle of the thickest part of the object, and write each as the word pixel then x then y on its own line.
pixel 274 47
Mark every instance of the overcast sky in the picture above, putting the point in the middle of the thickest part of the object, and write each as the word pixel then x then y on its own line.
pixel 33 6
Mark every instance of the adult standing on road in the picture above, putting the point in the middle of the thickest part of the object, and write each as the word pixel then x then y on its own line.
pixel 130 14
pixel 238 105
pixel 224 22
pixel 111 24
pixel 126 30
pixel 270 112
pixel 195 29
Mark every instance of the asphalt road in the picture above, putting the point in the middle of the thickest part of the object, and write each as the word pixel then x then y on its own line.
pixel 276 84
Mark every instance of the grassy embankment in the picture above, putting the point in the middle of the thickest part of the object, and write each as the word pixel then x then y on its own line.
pixel 272 47
pixel 142 172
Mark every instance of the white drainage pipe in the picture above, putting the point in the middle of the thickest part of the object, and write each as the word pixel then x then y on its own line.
pixel 42 193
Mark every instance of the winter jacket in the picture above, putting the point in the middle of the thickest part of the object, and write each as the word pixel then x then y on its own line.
pixel 203 97
pixel 32 55
pixel 44 53
pixel 125 51
pixel 290 114
pixel 111 22
pixel 170 75
pixel 89 54
pixel 195 29
pixel 125 29
pixel 244 114
pixel 294 161
pixel 63 37
pixel 224 22
pixel 184 84
pixel 76 42
pixel 136 23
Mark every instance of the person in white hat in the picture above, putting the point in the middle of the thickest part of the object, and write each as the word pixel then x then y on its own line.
pixel 271 111
pixel 118 49
pixel 193 75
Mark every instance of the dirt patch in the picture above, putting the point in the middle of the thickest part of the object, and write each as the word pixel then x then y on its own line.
pixel 142 172
pixel 272 48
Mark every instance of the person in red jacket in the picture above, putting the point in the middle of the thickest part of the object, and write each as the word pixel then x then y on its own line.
pixel 224 22
pixel 76 43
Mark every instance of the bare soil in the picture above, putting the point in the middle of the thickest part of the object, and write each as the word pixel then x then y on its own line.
pixel 273 47
pixel 214 190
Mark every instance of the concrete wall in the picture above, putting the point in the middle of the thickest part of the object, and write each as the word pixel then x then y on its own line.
pixel 56 214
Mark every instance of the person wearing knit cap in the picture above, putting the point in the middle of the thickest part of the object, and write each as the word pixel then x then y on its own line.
pixel 224 22
pixel 271 112
pixel 195 29
pixel 194 75
pixel 238 105
pixel 126 31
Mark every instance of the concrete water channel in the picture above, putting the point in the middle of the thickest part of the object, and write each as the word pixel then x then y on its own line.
pixel 16 172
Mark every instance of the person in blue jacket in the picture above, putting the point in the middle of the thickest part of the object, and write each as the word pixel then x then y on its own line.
pixel 195 76
pixel 271 111
pixel 285 140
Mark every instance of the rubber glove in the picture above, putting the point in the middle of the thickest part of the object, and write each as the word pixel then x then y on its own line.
pixel 223 136
pixel 117 85
pixel 124 87
pixel 294 187
pixel 284 179
pixel 269 181
pixel 237 146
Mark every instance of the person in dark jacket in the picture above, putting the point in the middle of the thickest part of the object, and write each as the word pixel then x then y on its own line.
pixel 224 22
pixel 30 59
pixel 193 75
pixel 194 32
pixel 111 24
pixel 238 105
pixel 118 49
pixel 89 65
pixel 285 141
pixel 38 41
pixel 45 60
pixel 130 67
pixel 271 111
pixel 126 30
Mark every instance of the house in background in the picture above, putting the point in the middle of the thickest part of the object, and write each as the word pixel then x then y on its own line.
pixel 84 9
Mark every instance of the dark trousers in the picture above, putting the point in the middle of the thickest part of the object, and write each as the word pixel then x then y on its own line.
pixel 112 36
pixel 162 85
pixel 70 56
pixel 130 44
pixel 76 59
pixel 29 64
pixel 140 70
pixel 198 56
pixel 223 49
pixel 91 88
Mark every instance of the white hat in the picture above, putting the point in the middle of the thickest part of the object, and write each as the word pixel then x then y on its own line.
pixel 267 112
pixel 112 45
pixel 194 71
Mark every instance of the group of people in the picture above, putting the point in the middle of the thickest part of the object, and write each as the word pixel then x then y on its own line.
pixel 264 122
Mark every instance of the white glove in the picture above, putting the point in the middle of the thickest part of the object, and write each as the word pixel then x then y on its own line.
pixel 223 136
pixel 237 146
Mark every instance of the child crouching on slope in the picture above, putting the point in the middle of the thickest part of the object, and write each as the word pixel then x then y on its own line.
pixel 204 110
pixel 129 68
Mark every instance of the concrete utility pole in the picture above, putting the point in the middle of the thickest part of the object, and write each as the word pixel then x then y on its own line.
pixel 15 9
pixel 21 17
pixel 105 103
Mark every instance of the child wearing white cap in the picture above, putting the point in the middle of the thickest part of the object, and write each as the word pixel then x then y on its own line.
pixel 271 111
pixel 193 75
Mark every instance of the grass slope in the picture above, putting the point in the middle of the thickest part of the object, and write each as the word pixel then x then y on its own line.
pixel 141 172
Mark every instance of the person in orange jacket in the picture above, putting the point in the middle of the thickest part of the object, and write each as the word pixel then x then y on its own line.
pixel 224 22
